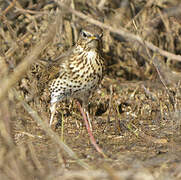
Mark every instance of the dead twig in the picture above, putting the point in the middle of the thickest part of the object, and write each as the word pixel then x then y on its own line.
pixel 120 31
pixel 157 67
pixel 49 131
pixel 21 69
pixel 27 11
pixel 7 9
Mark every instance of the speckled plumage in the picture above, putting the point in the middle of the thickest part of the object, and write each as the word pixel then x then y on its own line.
pixel 81 70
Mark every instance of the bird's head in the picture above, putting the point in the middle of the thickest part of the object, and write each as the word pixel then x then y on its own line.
pixel 90 37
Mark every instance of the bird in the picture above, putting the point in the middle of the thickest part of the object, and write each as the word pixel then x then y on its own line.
pixel 80 71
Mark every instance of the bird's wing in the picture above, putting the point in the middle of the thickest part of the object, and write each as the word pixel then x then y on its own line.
pixel 59 65
pixel 63 56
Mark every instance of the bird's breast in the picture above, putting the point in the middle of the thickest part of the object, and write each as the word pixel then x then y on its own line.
pixel 89 66
pixel 91 55
pixel 83 74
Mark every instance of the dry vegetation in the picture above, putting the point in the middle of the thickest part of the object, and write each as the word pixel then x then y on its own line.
pixel 136 113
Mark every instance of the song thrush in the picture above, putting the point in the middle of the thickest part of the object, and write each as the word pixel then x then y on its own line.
pixel 80 70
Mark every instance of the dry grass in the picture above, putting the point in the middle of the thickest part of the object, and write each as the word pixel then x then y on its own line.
pixel 136 113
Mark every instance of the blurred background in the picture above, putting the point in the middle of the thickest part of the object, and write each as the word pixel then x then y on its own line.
pixel 135 113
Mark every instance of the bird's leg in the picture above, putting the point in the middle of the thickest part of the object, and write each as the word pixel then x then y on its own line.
pixel 88 118
pixel 52 110
pixel 86 109
pixel 89 130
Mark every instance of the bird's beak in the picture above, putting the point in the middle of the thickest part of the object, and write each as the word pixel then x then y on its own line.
pixel 94 37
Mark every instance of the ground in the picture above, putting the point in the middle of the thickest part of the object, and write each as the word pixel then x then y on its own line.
pixel 135 112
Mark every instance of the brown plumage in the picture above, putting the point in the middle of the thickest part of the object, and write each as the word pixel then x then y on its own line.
pixel 80 70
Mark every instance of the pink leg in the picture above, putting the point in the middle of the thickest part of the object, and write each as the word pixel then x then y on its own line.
pixel 52 110
pixel 89 131
pixel 88 118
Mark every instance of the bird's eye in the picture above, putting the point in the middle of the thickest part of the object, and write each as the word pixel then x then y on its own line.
pixel 100 36
pixel 84 34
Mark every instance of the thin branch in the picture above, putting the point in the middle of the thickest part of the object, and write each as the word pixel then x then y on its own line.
pixel 21 69
pixel 49 131
pixel 120 31
pixel 27 11
pixel 8 8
